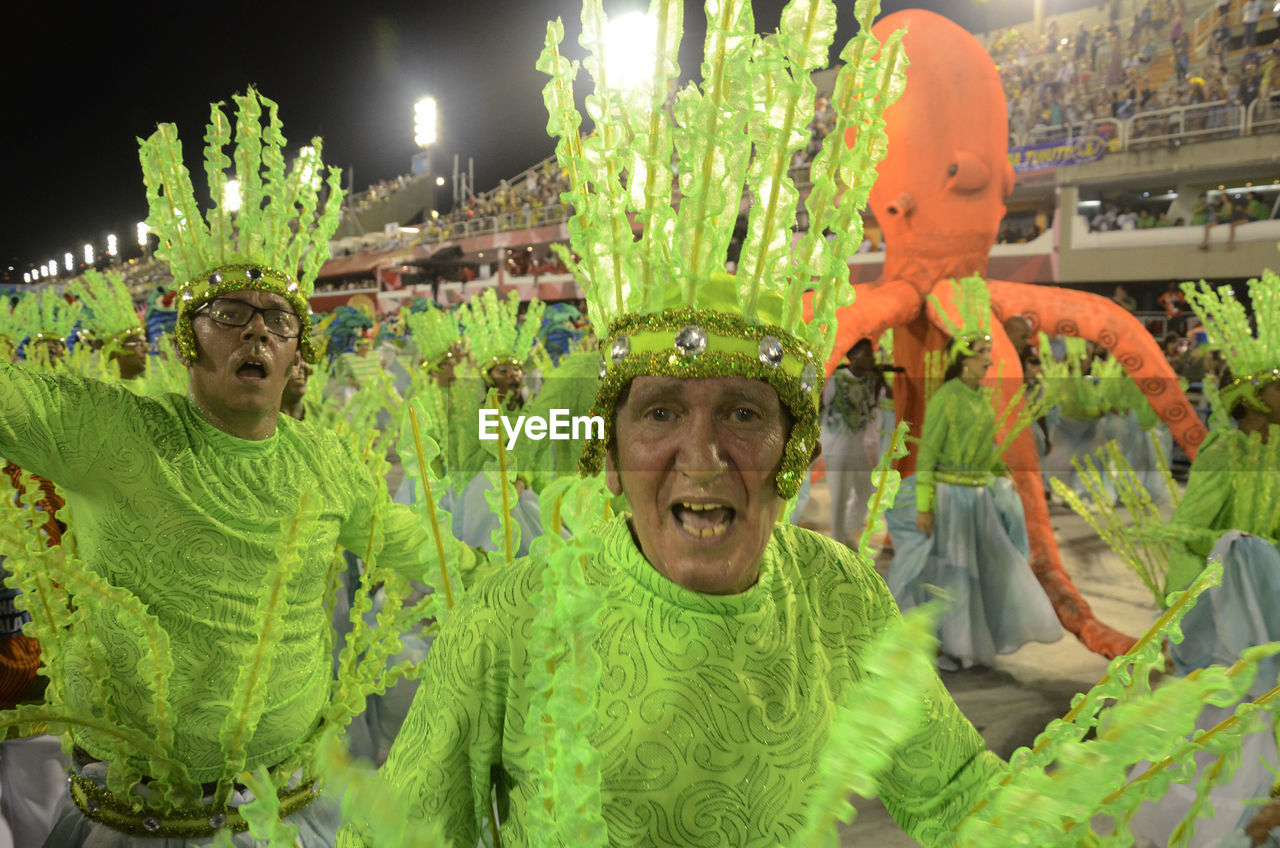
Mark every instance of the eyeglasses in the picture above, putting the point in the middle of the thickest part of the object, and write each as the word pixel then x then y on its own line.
pixel 236 313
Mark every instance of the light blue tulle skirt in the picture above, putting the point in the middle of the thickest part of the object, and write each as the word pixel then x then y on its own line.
pixel 977 555
pixel 1077 437
pixel 1244 611
pixel 1139 448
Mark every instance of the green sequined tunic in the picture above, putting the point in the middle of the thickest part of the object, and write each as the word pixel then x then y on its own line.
pixel 188 518
pixel 1234 485
pixel 713 710
pixel 959 436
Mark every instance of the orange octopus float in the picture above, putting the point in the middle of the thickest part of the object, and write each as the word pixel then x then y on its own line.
pixel 939 200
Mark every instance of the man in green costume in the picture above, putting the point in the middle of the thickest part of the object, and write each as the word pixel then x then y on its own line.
pixel 184 506
pixel 725 638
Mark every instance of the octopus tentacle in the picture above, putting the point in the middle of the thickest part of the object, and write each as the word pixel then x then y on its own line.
pixel 878 307
pixel 1101 320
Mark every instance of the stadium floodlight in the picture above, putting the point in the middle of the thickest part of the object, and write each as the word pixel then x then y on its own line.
pixel 628 48
pixel 231 196
pixel 67 258
pixel 439 181
pixel 112 248
pixel 88 255
pixel 26 276
pixel 306 167
pixel 424 122
pixel 143 230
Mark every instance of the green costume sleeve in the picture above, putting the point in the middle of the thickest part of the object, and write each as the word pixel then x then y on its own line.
pixel 1204 506
pixel 942 772
pixel 40 422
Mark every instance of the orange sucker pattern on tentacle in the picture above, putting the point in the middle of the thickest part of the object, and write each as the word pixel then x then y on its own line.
pixel 1098 319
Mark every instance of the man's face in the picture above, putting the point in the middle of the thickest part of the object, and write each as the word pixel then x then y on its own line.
pixel 1019 332
pixel 131 356
pixel 296 386
pixel 241 370
pixel 50 351
pixel 507 378
pixel 697 459
pixel 444 372
pixel 363 346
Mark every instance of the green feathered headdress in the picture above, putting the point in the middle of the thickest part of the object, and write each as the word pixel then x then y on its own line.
pixel 45 316
pixel 495 331
pixel 1254 358
pixel 662 303
pixel 278 239
pixel 973 307
pixel 111 315
pixel 435 333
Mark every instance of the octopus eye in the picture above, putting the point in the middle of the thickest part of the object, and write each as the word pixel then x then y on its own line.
pixel 951 172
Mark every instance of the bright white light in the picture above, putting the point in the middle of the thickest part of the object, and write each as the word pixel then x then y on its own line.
pixel 67 258
pixel 231 196
pixel 112 249
pixel 307 167
pixel 628 44
pixel 142 230
pixel 88 255
pixel 26 276
pixel 439 181
pixel 424 122
pixel 44 270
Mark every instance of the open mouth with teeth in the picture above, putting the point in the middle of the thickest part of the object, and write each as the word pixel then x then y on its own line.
pixel 252 371
pixel 703 520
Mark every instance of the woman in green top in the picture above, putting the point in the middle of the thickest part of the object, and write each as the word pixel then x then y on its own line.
pixel 1230 512
pixel 959 526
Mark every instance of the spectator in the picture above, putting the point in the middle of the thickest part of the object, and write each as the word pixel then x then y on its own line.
pixel 1249 15
pixel 1127 220
pixel 1236 214
pixel 1145 221
pixel 1125 299
pixel 1219 210
pixel 1255 209
pixel 1202 213
pixel 1162 220
pixel 1174 304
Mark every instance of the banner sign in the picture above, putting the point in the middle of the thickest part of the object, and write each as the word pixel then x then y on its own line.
pixel 1057 154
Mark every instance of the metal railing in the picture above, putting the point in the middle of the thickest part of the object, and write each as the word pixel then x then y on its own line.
pixel 1171 127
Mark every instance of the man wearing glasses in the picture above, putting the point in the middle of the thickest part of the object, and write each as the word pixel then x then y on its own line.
pixel 182 502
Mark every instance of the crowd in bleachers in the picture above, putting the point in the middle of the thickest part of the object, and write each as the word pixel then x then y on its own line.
pixel 375 193
pixel 1090 77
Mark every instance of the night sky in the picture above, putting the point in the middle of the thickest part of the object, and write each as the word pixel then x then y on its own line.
pixel 82 85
